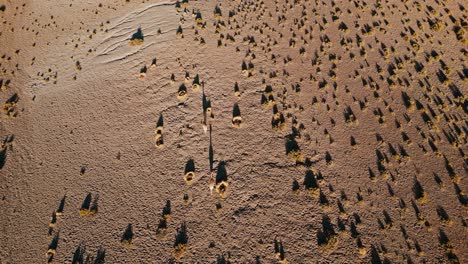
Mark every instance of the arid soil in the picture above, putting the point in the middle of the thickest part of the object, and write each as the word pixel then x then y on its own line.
pixel 244 131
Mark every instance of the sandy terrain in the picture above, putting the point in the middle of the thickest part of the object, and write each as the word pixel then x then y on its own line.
pixel 296 131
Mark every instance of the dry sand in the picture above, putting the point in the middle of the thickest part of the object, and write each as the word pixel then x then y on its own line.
pixel 338 131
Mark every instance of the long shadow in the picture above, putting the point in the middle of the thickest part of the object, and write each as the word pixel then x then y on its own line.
pixel 78 256
pixel 167 209
pixel 204 99
pixel 86 203
pixel 221 174
pixel 53 245
pixel 3 156
pixel 375 258
pixel 309 180
pixel 160 122
pixel 94 205
pixel 189 166
pixel 211 153
pixel 127 236
pixel 181 238
pixel 101 254
pixel 326 234
pixel 236 110
pixel 291 145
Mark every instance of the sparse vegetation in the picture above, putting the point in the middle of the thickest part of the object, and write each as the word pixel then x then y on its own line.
pixel 107 107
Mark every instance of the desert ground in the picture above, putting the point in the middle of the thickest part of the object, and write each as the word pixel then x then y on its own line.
pixel 243 131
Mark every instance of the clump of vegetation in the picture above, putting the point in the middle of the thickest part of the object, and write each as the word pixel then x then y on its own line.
pixel 143 71
pixel 447 246
pixel 189 173
pixel 166 212
pixel 186 199
pixel 295 186
pixel 361 248
pixel 279 251
pixel 236 89
pixel 4 84
pixel 198 18
pixel 165 215
pixel 137 38
pixel 159 131
pixel 217 12
pixel 221 181
pixel 236 116
pixel 178 6
pixel 182 92
pixel 10 105
pixel 53 219
pixel 89 207
pixel 419 192
pixel 323 200
pixel 78 66
pixel 127 237
pixel 162 226
pixel 181 241
pixel 292 148
pixel 419 216
pixel 3 155
pixel 180 32
pixel 326 237
pixel 310 183
pixel 53 246
pixel 349 116
pixel 100 256
pixel 278 120
pixel 196 82
pixel 59 211
pixel 328 158
pixel 78 256
pixel 443 215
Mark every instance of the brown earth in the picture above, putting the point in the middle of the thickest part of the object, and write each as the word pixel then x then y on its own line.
pixel 328 131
